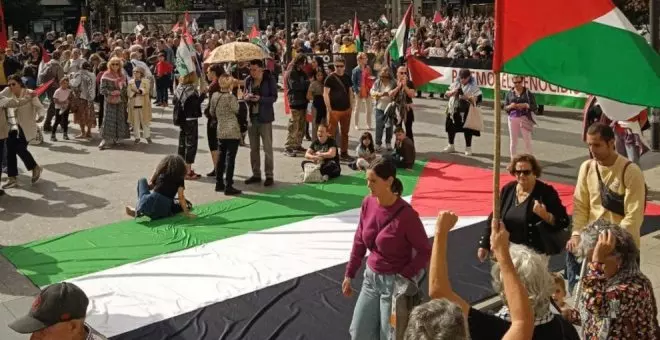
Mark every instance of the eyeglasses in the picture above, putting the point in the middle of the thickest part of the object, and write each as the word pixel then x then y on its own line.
pixel 522 172
pixel 339 66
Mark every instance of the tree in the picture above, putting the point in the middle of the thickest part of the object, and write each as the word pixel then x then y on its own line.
pixel 637 11
pixel 176 5
pixel 20 13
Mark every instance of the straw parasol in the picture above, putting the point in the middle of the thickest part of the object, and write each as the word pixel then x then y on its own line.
pixel 235 52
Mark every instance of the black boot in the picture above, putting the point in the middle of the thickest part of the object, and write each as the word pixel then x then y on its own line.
pixel 219 186
pixel 231 191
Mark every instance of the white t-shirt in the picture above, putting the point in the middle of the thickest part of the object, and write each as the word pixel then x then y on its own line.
pixel 62 95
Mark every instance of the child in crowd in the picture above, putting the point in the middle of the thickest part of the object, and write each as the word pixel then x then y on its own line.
pixel 163 79
pixel 167 182
pixel 366 153
pixel 62 99
pixel 559 295
pixel 404 150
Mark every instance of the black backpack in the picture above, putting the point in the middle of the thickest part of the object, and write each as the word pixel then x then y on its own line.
pixel 178 115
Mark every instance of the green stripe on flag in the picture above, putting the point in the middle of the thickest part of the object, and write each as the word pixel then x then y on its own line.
pixel 93 250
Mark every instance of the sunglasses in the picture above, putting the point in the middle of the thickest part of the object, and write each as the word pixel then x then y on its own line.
pixel 522 172
pixel 517 82
pixel 12 84
pixel 339 66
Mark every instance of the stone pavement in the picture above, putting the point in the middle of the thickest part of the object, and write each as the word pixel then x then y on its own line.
pixel 83 187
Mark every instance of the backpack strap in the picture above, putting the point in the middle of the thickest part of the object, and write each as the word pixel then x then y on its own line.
pixel 623 174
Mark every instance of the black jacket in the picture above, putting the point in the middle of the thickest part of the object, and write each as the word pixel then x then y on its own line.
pixel 528 234
pixel 297 86
pixel 11 66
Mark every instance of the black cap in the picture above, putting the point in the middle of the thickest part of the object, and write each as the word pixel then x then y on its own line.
pixel 56 303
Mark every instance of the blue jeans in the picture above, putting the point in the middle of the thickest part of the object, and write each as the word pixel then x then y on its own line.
pixel 152 204
pixel 371 317
pixel 380 126
pixel 573 268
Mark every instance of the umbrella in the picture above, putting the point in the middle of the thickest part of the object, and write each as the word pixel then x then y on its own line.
pixel 235 52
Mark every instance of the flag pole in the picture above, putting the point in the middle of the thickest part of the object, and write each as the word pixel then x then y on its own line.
pixel 497 150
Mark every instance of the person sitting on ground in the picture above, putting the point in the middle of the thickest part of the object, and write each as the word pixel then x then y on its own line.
pixel 166 183
pixel 536 285
pixel 615 300
pixel 442 318
pixel 58 313
pixel 404 150
pixel 324 151
pixel 366 153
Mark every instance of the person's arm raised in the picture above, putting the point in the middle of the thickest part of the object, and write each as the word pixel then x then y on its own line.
pixel 439 285
pixel 522 316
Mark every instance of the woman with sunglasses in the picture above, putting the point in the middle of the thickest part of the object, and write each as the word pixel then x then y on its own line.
pixel 113 88
pixel 530 209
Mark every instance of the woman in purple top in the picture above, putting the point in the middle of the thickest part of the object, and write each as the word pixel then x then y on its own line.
pixel 391 229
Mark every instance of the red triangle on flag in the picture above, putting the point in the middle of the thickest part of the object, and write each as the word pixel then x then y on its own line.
pixel 437 17
pixel 254 33
pixel 420 73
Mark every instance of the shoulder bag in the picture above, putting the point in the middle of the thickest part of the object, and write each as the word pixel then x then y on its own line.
pixel 553 241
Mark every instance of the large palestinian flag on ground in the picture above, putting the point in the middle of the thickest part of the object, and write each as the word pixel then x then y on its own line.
pixel 262 266
pixel 591 48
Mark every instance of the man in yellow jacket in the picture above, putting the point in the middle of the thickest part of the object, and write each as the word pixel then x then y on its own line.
pixel 614 173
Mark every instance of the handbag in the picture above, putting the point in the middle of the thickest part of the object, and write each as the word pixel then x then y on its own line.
pixel 554 241
pixel 312 173
pixel 474 120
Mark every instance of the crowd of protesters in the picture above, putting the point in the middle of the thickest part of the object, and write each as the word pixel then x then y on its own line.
pixel 111 84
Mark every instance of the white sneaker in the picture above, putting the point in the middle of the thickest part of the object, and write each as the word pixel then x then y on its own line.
pixel 468 151
pixel 449 148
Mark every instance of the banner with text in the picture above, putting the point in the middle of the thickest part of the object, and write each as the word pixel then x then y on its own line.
pixel 546 93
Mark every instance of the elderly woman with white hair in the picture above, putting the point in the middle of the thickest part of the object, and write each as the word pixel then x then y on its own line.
pixel 616 300
pixel 520 277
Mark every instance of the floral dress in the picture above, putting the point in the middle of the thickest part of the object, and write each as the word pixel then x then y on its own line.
pixel 115 126
pixel 616 311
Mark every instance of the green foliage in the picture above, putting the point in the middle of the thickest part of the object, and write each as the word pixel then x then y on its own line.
pixel 177 5
pixel 20 13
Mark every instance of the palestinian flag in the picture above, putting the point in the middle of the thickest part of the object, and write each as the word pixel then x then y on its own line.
pixel 81 40
pixel 357 34
pixel 398 46
pixel 184 57
pixel 423 75
pixel 260 266
pixel 255 38
pixel 437 18
pixel 383 20
pixel 591 48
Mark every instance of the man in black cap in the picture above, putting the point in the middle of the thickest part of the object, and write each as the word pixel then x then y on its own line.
pixel 57 313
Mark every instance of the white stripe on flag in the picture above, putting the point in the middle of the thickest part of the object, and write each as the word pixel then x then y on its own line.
pixel 135 295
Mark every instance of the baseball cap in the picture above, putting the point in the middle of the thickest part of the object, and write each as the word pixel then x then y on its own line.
pixel 56 303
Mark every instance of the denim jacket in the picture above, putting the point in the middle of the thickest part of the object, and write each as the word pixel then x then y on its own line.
pixel 356 79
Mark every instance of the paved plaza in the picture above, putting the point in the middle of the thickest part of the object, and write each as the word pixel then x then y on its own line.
pixel 83 187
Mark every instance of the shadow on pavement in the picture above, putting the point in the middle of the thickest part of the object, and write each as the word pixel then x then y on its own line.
pixel 55 201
